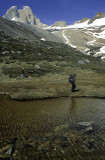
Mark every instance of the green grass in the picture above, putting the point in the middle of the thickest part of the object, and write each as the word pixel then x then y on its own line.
pixel 56 62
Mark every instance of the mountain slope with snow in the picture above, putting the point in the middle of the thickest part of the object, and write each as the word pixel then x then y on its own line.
pixel 39 51
pixel 87 36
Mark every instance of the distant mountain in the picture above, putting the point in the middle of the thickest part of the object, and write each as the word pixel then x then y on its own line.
pixel 59 24
pixel 23 15
pixel 86 35
pixel 99 15
pixel 82 20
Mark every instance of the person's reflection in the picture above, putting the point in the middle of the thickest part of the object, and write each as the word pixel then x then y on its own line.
pixel 72 110
pixel 73 105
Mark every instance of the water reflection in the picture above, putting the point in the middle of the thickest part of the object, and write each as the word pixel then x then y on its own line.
pixel 54 123
pixel 43 115
pixel 73 104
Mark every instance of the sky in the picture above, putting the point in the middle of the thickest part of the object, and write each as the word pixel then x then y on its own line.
pixel 49 11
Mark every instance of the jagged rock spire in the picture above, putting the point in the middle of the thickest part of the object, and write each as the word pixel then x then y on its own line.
pixel 24 15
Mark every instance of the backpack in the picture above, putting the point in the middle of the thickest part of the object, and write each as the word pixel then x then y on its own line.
pixel 71 78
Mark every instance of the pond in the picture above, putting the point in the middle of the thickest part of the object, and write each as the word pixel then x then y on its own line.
pixel 59 128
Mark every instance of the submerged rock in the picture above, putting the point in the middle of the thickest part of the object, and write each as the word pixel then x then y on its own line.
pixel 6 152
pixel 85 124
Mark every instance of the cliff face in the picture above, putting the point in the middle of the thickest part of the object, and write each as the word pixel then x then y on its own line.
pixel 27 16
pixel 12 13
pixel 24 15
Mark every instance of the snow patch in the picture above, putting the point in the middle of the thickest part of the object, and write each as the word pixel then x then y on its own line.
pixel 42 39
pixel 91 42
pixel 102 51
pixel 101 35
pixel 80 25
pixel 13 7
pixel 85 25
pixel 87 49
pixel 55 31
pixel 103 57
pixel 14 19
pixel 98 22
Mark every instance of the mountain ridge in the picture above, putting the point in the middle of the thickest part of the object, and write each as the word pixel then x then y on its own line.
pixel 24 15
pixel 86 35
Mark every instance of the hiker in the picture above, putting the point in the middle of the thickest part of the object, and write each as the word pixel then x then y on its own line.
pixel 23 72
pixel 72 81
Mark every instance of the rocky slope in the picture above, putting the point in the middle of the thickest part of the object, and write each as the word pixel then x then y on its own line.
pixel 47 62
pixel 86 35
pixel 27 32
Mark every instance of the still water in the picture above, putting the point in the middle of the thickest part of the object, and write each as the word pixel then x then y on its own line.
pixel 65 128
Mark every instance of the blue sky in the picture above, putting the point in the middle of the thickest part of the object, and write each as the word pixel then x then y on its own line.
pixel 49 11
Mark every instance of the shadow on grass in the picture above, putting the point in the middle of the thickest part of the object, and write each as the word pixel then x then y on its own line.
pixel 76 90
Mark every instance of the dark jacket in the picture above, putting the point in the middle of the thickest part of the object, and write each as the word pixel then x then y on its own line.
pixel 72 79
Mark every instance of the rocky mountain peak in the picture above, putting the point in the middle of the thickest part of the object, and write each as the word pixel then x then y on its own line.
pixel 11 13
pixel 24 15
pixel 99 15
pixel 27 16
pixel 82 20
pixel 13 8
pixel 27 9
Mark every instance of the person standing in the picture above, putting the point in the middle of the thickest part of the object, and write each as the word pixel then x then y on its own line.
pixel 72 80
